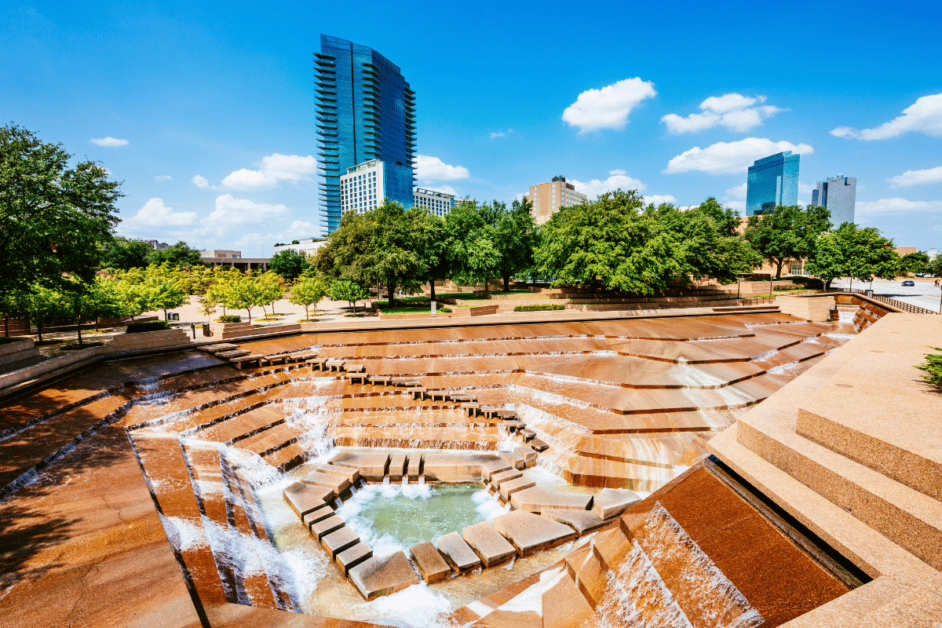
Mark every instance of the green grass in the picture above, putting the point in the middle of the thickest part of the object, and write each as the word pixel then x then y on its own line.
pixel 470 296
pixel 933 367
pixel 539 307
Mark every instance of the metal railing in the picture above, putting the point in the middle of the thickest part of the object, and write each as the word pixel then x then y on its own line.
pixel 899 305
pixel 758 300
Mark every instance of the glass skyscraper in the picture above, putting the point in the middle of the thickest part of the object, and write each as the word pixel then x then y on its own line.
pixel 839 195
pixel 772 181
pixel 365 111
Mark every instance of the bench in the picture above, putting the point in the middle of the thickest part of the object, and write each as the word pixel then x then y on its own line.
pixel 379 379
pixel 335 365
pixel 418 392
pixel 355 368
pixel 275 357
pixel 317 364
pixel 507 415
pixel 245 359
pixel 358 377
pixel 472 407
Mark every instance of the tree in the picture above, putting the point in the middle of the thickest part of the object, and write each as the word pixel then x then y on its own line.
pixel 179 254
pixel 244 293
pixel 788 233
pixel 41 305
pixel 854 252
pixel 288 263
pixel 610 243
pixel 934 267
pixel 125 253
pixel 271 287
pixel 308 291
pixel 161 294
pixel 914 262
pixel 90 302
pixel 515 238
pixel 432 248
pixel 53 218
pixel 827 261
pixel 349 291
pixel 473 256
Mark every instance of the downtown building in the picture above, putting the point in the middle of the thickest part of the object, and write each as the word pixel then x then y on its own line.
pixel 839 195
pixel 772 181
pixel 548 198
pixel 365 114
pixel 436 202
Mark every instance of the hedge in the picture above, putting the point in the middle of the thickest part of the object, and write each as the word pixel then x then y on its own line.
pixel 229 318
pixel 539 307
pixel 136 328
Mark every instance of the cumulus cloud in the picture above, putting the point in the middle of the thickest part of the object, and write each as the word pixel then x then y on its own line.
pixel 156 214
pixel 730 157
pixel 923 116
pixel 271 170
pixel 657 199
pixel 608 108
pixel 896 206
pixel 916 177
pixel 434 169
pixel 163 177
pixel 108 141
pixel 200 181
pixel 231 211
pixel 495 134
pixel 617 179
pixel 733 111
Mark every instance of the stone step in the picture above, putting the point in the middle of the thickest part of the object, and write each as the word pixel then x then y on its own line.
pixel 397 467
pixel 375 577
pixel 288 457
pixel 490 546
pixel 353 556
pixel 339 541
pixel 244 425
pixel 457 553
pixel 588 574
pixel 304 498
pixel 907 517
pixel 270 439
pixel 372 465
pixel 536 498
pixel 430 563
pixel 564 605
pixel 529 533
pixel 337 483
pixel 508 488
pixel 582 521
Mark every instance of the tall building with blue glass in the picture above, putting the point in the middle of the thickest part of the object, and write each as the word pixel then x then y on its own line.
pixel 772 181
pixel 365 111
pixel 839 195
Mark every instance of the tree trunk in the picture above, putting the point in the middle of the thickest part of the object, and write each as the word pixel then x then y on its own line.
pixel 391 288
pixel 506 283
pixel 778 270
pixel 80 334
pixel 165 315
pixel 39 330
pixel 827 284
pixel 432 284
pixel 851 283
pixel 6 326
pixel 249 310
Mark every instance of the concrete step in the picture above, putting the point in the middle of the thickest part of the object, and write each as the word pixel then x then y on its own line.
pixel 902 514
pixel 588 574
pixel 564 605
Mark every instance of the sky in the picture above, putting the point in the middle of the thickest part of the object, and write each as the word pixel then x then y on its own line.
pixel 205 110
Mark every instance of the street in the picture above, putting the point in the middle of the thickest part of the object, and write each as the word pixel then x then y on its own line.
pixel 923 294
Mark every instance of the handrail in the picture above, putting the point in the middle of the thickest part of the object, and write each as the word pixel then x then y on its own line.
pixel 900 305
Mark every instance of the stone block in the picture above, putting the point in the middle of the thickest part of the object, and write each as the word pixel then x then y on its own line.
pixel 352 474
pixel 457 552
pixel 582 521
pixel 513 459
pixel 372 465
pixel 318 514
pixel 429 562
pixel 510 487
pixel 376 577
pixel 611 502
pixel 353 556
pixel 303 498
pixel 527 454
pixel 415 466
pixel 488 544
pixel 339 540
pixel 530 533
pixel 456 467
pixel 326 526
pixel 537 498
pixel 564 605
pixel 505 476
pixel 397 467
pixel 337 483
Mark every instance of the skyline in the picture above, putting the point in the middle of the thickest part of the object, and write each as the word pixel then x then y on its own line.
pixel 207 114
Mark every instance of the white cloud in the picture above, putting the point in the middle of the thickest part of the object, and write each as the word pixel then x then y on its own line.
pixel 733 111
pixel 730 157
pixel 155 214
pixel 738 192
pixel 163 177
pixel 804 188
pixel 657 199
pixel 916 177
pixel 495 134
pixel 896 206
pixel 923 116
pixel 239 211
pixel 617 179
pixel 446 189
pixel 608 108
pixel 272 169
pixel 109 141
pixel 434 169
pixel 200 181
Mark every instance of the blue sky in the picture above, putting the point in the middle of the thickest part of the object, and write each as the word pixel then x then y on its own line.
pixel 206 110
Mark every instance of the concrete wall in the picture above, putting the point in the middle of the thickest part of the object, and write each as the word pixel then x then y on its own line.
pixel 816 309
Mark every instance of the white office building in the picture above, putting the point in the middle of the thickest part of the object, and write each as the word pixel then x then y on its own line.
pixel 308 246
pixel 362 188
pixel 438 203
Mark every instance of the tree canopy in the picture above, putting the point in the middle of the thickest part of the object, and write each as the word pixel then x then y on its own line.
pixel 855 252
pixel 125 253
pixel 288 263
pixel 788 233
pixel 179 254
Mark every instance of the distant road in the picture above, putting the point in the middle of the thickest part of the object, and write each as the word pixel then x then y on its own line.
pixel 923 294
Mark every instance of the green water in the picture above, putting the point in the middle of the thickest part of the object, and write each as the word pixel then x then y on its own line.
pixel 411 519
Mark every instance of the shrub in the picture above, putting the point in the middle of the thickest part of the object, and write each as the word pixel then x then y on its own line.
pixel 229 318
pixel 136 328
pixel 539 307
pixel 933 367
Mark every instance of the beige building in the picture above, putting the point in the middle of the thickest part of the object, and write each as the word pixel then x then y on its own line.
pixel 547 198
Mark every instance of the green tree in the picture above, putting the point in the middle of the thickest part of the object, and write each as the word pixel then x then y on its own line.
pixel 349 291
pixel 827 261
pixel 788 233
pixel 855 252
pixel 934 267
pixel 473 254
pixel 42 305
pixel 125 253
pixel 432 248
pixel 308 291
pixel 271 287
pixel 179 254
pixel 90 302
pixel 611 243
pixel 159 293
pixel 515 238
pixel 288 263
pixel 53 218
pixel 244 293
pixel 914 262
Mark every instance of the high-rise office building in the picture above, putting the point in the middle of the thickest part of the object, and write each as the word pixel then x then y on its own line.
pixel 548 198
pixel 362 187
pixel 365 112
pixel 772 181
pixel 839 195
pixel 436 202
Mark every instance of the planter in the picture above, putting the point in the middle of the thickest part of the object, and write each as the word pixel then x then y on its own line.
pixel 17 350
pixel 477 310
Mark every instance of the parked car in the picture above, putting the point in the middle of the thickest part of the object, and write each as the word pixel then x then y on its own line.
pixel 909 282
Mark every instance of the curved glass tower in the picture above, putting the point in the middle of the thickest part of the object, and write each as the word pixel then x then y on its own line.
pixel 365 111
